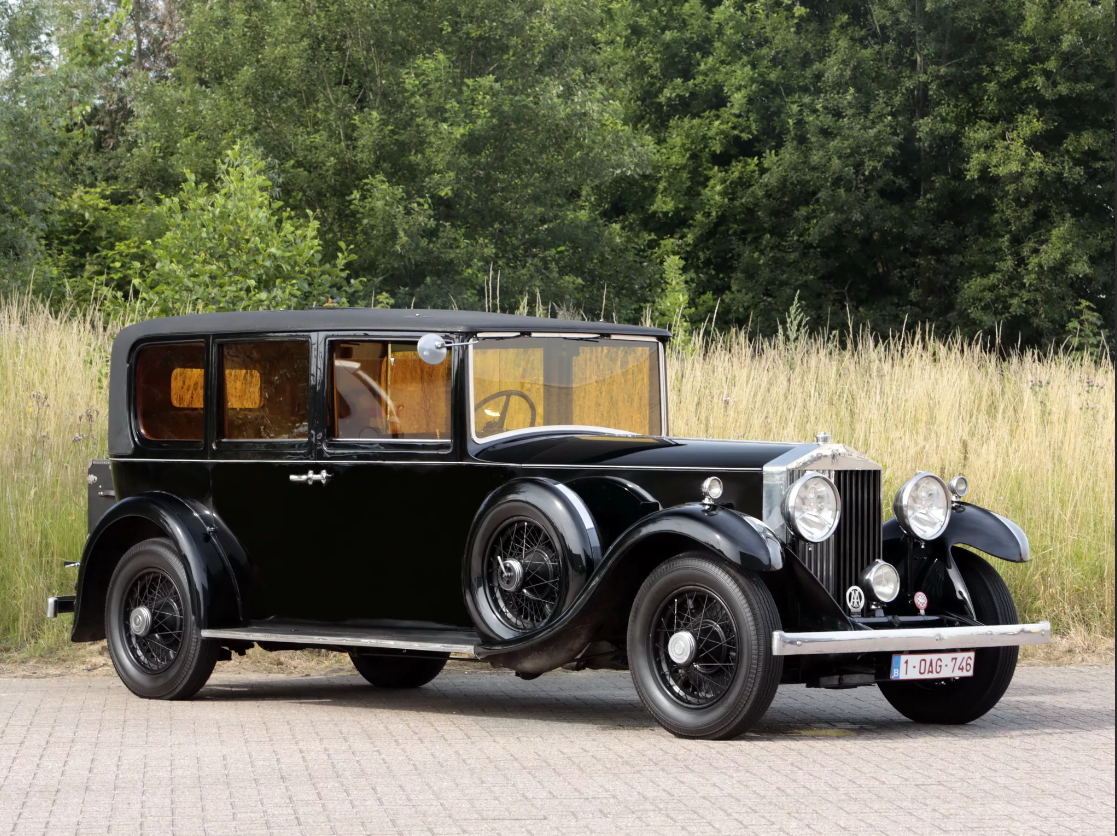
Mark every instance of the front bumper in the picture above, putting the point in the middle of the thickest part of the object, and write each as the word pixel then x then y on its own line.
pixel 923 638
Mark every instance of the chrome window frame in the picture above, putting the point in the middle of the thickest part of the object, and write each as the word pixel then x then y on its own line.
pixel 571 428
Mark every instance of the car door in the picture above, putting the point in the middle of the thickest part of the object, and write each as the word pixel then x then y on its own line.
pixel 262 453
pixel 398 503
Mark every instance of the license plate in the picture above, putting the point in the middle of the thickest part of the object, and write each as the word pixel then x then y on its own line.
pixel 932 665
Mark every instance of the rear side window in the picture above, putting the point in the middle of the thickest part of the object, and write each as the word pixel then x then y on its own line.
pixel 382 390
pixel 170 391
pixel 266 390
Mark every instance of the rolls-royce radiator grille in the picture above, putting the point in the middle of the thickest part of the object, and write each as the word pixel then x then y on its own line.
pixel 839 561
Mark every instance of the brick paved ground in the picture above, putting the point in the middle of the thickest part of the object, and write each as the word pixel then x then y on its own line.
pixel 567 753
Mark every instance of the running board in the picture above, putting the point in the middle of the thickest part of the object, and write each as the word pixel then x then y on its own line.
pixel 323 635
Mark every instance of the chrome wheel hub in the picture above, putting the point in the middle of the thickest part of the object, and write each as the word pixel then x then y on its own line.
pixel 139 622
pixel 511 576
pixel 682 647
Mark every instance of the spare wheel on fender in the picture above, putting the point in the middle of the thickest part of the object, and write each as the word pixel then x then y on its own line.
pixel 532 546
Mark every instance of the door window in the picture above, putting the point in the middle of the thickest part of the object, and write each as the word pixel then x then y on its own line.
pixel 382 390
pixel 170 391
pixel 266 390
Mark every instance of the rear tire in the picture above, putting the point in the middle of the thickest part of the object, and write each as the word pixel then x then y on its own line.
pixel 399 668
pixel 700 647
pixel 958 701
pixel 163 657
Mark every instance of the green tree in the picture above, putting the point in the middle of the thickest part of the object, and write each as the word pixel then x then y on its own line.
pixel 943 161
pixel 442 140
pixel 235 248
pixel 57 60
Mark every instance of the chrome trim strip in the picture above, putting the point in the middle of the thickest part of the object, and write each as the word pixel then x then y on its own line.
pixel 353 640
pixel 449 442
pixel 660 467
pixel 918 638
pixel 299 462
pixel 443 462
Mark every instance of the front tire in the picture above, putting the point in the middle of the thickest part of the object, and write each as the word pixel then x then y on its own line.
pixel 154 641
pixel 957 701
pixel 700 647
pixel 399 668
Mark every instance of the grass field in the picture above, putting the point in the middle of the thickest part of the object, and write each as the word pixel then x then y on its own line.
pixel 1034 434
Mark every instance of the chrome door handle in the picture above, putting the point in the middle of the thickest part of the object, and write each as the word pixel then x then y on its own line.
pixel 310 477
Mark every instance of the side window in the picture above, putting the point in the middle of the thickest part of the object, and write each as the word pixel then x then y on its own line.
pixel 170 391
pixel 383 390
pixel 266 390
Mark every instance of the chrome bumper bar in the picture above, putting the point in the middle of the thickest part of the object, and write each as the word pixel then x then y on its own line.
pixel 922 638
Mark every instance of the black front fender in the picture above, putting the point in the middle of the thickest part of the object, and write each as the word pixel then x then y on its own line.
pixel 215 565
pixel 725 533
pixel 604 601
pixel 976 527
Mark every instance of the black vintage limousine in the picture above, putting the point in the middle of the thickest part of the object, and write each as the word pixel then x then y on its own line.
pixel 405 485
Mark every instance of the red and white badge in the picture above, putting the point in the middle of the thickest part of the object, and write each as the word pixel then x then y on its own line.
pixel 920 602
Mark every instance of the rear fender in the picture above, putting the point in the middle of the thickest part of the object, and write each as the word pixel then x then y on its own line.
pixel 215 564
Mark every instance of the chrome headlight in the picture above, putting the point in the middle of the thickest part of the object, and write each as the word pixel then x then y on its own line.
pixel 922 506
pixel 812 507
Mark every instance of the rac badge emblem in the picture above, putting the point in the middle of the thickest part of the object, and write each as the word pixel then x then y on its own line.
pixel 855 599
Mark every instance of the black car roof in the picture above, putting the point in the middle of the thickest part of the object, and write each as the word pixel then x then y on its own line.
pixel 324 319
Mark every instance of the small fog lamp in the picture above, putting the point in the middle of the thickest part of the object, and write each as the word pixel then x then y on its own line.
pixel 959 486
pixel 712 489
pixel 882 581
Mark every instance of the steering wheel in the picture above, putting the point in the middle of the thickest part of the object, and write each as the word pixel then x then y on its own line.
pixel 497 424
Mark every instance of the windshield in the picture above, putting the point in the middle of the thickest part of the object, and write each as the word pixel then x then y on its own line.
pixel 557 381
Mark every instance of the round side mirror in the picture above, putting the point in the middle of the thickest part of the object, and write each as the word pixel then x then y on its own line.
pixel 432 349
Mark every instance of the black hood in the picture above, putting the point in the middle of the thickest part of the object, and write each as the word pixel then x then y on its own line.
pixel 635 451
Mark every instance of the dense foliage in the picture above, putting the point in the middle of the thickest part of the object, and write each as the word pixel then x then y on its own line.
pixel 949 161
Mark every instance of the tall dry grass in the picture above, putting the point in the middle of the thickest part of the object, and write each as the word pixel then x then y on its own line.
pixel 1034 433
pixel 53 393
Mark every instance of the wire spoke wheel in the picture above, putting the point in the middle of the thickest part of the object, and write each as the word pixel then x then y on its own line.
pixel 695 647
pixel 523 574
pixel 153 620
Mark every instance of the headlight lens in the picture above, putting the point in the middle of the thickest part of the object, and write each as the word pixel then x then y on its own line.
pixel 812 507
pixel 883 581
pixel 922 506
